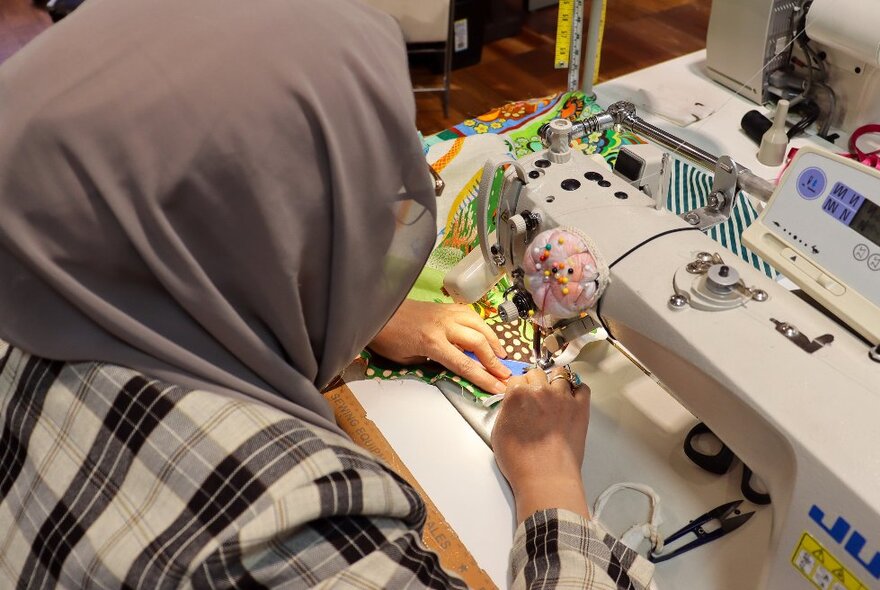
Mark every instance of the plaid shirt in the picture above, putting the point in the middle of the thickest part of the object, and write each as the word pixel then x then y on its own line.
pixel 110 479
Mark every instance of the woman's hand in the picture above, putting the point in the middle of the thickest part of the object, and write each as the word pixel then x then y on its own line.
pixel 539 442
pixel 440 332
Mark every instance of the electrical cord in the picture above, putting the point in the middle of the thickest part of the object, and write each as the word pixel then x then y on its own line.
pixel 810 112
pixel 755 124
pixel 832 108
pixel 814 64
pixel 799 24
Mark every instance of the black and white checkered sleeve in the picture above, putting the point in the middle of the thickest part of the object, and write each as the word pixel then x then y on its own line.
pixel 109 479
pixel 358 527
pixel 560 549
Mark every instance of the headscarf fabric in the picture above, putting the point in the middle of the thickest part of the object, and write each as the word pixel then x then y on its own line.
pixel 226 195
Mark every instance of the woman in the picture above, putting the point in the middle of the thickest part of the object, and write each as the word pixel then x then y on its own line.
pixel 208 208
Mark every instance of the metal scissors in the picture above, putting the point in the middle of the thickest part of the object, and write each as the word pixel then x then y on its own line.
pixel 727 524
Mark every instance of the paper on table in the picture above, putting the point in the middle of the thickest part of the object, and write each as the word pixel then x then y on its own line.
pixel 478 504
pixel 680 103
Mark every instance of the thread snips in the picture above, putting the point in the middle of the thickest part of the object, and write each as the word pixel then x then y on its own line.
pixel 728 520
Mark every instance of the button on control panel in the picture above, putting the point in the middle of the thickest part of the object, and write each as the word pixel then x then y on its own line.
pixel 811 183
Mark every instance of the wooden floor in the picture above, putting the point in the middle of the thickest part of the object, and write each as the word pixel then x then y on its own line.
pixel 638 33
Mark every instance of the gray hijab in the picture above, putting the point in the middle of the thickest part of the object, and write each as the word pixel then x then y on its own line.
pixel 222 194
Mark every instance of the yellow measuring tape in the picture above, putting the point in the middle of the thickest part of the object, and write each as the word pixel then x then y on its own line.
pixel 563 33
pixel 569 40
pixel 438 535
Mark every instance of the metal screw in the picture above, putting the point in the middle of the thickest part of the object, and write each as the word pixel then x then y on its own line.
pixel 678 301
pixel 692 218
pixel 789 331
pixel 497 255
pixel 545 363
pixel 704 257
pixel 696 268
pixel 760 295
pixel 716 200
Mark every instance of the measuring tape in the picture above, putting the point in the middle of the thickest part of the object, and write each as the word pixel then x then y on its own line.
pixel 577 30
pixel 569 40
pixel 563 33
pixel 438 535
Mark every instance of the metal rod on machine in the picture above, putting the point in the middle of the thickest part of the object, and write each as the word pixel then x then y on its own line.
pixel 624 114
pixel 680 147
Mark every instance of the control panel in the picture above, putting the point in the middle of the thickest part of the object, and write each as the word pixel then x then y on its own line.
pixel 821 228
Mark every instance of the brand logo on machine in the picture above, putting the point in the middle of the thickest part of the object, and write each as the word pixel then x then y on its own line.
pixel 854 545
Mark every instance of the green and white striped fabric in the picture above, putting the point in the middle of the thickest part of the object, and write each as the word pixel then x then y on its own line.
pixel 690 188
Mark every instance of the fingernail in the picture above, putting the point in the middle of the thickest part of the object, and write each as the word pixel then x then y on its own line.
pixel 499 387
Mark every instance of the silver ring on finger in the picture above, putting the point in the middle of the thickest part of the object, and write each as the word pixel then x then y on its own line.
pixel 559 376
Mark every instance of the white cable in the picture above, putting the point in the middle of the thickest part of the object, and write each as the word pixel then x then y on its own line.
pixel 637 533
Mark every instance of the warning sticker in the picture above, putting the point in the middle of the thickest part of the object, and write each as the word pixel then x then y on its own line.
pixel 821 568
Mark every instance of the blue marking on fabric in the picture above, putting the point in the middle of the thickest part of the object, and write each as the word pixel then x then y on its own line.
pixel 516 367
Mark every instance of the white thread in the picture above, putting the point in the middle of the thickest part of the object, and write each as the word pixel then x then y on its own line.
pixel 649 530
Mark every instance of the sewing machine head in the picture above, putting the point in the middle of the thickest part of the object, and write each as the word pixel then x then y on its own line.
pixel 791 391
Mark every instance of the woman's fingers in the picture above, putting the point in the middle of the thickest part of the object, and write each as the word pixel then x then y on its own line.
pixel 472 319
pixel 468 339
pixel 558 381
pixel 536 377
pixel 452 358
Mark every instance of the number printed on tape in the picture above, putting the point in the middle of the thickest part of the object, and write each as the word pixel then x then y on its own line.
pixel 563 33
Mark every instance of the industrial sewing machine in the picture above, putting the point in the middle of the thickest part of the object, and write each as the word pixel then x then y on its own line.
pixel 791 386
pixel 827 50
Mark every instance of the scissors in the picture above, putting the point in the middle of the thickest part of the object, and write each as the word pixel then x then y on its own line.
pixel 728 523
pixel 721 462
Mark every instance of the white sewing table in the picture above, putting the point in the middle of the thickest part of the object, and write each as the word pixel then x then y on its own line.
pixel 636 431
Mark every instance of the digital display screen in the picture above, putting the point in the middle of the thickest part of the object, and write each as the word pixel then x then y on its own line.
pixel 854 210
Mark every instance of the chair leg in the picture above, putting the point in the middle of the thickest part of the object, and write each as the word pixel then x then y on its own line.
pixel 447 64
pixel 446 82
